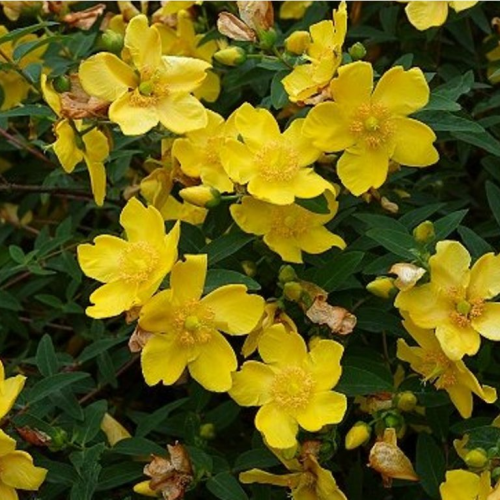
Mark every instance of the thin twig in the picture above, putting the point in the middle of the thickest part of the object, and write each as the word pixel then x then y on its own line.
pixel 21 145
pixel 74 193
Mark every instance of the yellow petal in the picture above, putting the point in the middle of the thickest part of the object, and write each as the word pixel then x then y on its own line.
pixel 188 278
pixel 158 313
pixel 143 488
pixel 163 360
pixel 65 147
pixel 214 364
pixel 115 432
pixel 96 145
pixel 424 15
pixel 318 240
pixel 425 338
pixel 488 324
pixel 236 312
pixel 460 484
pixel 143 43
pixel 353 86
pixel 10 391
pixel 183 74
pixel 181 113
pixel 252 384
pixel 252 215
pixel 107 77
pixel 457 341
pixel 101 261
pixel 461 397
pixel 402 91
pixel 461 5
pixel 328 127
pixel 18 471
pixel 279 429
pixel 299 84
pixel 361 169
pixel 8 493
pixel 302 144
pixel 326 407
pixel 293 10
pixel 142 223
pixel 281 348
pixel 50 95
pixel 409 354
pixel 278 193
pixel 98 181
pixel 285 247
pixel 262 477
pixel 450 265
pixel 485 277
pixel 413 143
pixel 238 161
pixel 210 88
pixel 7 444
pixel 112 299
pixel 325 364
pixel 326 487
pixel 133 119
pixel 257 126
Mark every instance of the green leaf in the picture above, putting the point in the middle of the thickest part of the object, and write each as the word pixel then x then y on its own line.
pixel 258 459
pixel 483 140
pixel 91 425
pixel 33 110
pixel 447 224
pixel 98 347
pixel 220 277
pixel 444 121
pixel 120 474
pixel 430 464
pixel 52 384
pixel 87 465
pixel 318 205
pixel 438 102
pixel 456 87
pixel 476 245
pixel 279 97
pixel 157 418
pixel 226 487
pixel 16 254
pixel 483 437
pixel 20 32
pixel 226 246
pixel 338 269
pixel 46 360
pixel 398 243
pixel 9 302
pixel 202 462
pixel 493 196
pixel 362 376
pixel 138 446
pixel 24 49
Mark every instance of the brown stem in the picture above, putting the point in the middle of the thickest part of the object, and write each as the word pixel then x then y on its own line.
pixel 70 193
pixel 21 145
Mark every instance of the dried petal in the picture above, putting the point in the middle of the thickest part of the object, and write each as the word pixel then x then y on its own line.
pixel 138 339
pixel 407 275
pixel 234 28
pixel 34 436
pixel 257 15
pixel 338 319
pixel 77 104
pixel 84 19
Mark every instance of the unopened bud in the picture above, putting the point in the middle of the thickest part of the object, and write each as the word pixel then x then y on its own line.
pixel 59 440
pixel 231 56
pixel 267 38
pixel 394 421
pixel 201 196
pixel 358 435
pixel 62 84
pixel 207 431
pixel 112 41
pixel 298 42
pixel 406 401
pixel 357 51
pixel 424 232
pixel 382 287
pixel 293 291
pixel 476 458
pixel 495 474
pixel 287 273
pixel 249 268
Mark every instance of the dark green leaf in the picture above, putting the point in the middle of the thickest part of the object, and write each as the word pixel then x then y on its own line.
pixel 362 376
pixel 46 359
pixel 226 487
pixel 53 383
pixel 138 446
pixel 338 269
pixel 220 277
pixel 431 465
pixel 493 195
pixel 447 224
pixel 400 244
pixel 226 246
pixel 258 459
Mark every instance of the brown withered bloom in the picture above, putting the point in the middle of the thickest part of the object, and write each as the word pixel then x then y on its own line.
pixel 407 275
pixel 34 437
pixel 138 339
pixel 84 19
pixel 77 104
pixel 170 477
pixel 338 319
pixel 234 28
pixel 390 461
pixel 254 18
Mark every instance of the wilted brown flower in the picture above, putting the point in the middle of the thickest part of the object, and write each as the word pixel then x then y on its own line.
pixel 234 28
pixel 257 15
pixel 34 436
pixel 77 104
pixel 407 275
pixel 388 459
pixel 338 319
pixel 138 339
pixel 84 19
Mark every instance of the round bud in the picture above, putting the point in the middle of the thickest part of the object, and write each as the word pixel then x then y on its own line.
pixel 476 458
pixel 112 41
pixel 201 196
pixel 287 273
pixel 358 435
pixel 207 431
pixel 406 401
pixel 424 232
pixel 231 56
pixel 382 287
pixel 62 84
pixel 357 51
pixel 293 291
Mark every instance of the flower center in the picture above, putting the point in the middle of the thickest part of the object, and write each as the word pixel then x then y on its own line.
pixel 289 221
pixel 138 262
pixel 438 369
pixel 278 162
pixel 372 124
pixel 465 311
pixel 292 388
pixel 193 323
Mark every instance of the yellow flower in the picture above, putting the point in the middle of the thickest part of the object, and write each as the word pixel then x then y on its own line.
pixel 293 10
pixel 9 390
pixel 373 127
pixel 155 89
pixel 183 41
pixel 156 189
pixel 71 148
pixel 199 153
pixel 187 327
pixel 14 89
pixel 273 164
pixel 14 10
pixel 17 471
pixel 132 270
pixel 272 315
pixel 292 386
pixel 288 229
pixel 173 7
pixel 425 15
pixel 465 485
pixel 114 431
pixel 431 362
pixel 454 302
pixel 324 54
pixel 307 480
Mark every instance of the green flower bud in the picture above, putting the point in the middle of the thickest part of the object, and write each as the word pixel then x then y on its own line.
pixel 476 458
pixel 62 84
pixel 406 401
pixel 424 232
pixel 207 431
pixel 112 41
pixel 249 268
pixel 293 291
pixel 357 51
pixel 201 196
pixel 358 435
pixel 287 273
pixel 267 38
pixel 231 56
